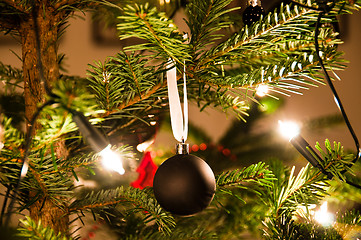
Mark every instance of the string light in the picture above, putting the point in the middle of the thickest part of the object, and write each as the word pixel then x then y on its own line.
pixel 262 90
pixel 141 147
pixel 325 7
pixel 288 129
pixel 112 160
pixel 292 132
pixel 323 217
pixel 97 141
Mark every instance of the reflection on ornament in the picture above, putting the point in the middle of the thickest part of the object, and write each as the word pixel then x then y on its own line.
pixel 146 171
pixel 184 184
pixel 112 160
pixel 252 13
pixel 324 217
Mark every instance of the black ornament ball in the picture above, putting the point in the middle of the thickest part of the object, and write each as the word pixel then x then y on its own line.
pixel 184 184
pixel 252 14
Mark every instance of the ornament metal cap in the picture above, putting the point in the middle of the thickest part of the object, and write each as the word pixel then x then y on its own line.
pixel 182 148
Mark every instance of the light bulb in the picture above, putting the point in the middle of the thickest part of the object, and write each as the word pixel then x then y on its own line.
pixel 262 90
pixel 24 169
pixel 324 217
pixel 289 129
pixel 112 160
pixel 142 147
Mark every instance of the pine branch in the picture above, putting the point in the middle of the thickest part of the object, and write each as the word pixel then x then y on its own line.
pixel 288 76
pixel 57 187
pixel 305 188
pixel 290 22
pixel 35 230
pixel 11 77
pixel 258 48
pixel 178 233
pixel 246 48
pixel 335 160
pixel 63 8
pixel 258 173
pixel 258 34
pixel 128 89
pixel 206 19
pixel 163 38
pixel 17 5
pixel 206 96
pixel 8 25
pixel 348 224
pixel 116 83
pixel 62 3
pixel 12 138
pixel 137 201
pixel 239 178
pixel 286 195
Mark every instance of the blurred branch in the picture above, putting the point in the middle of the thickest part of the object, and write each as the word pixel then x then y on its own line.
pixel 15 5
pixel 143 95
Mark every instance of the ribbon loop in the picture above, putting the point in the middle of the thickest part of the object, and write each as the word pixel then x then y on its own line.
pixel 179 120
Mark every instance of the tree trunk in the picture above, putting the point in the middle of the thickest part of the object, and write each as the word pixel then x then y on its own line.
pixel 44 209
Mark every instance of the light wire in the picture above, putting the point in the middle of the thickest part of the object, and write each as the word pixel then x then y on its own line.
pixel 324 8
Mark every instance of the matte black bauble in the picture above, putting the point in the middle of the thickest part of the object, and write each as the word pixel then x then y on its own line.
pixel 252 14
pixel 184 184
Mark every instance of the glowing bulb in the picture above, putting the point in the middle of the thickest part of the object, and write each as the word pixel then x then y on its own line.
pixel 262 90
pixel 324 217
pixel 289 129
pixel 141 147
pixel 2 132
pixel 112 160
pixel 24 169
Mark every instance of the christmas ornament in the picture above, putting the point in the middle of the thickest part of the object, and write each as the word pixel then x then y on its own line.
pixel 252 13
pixel 183 184
pixel 146 171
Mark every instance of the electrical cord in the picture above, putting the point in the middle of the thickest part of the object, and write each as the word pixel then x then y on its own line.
pixel 324 8
pixel 337 100
pixel 334 92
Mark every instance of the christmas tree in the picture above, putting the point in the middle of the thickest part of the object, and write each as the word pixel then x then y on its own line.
pixel 69 119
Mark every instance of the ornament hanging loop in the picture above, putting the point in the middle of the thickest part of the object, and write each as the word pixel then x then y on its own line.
pixel 179 119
